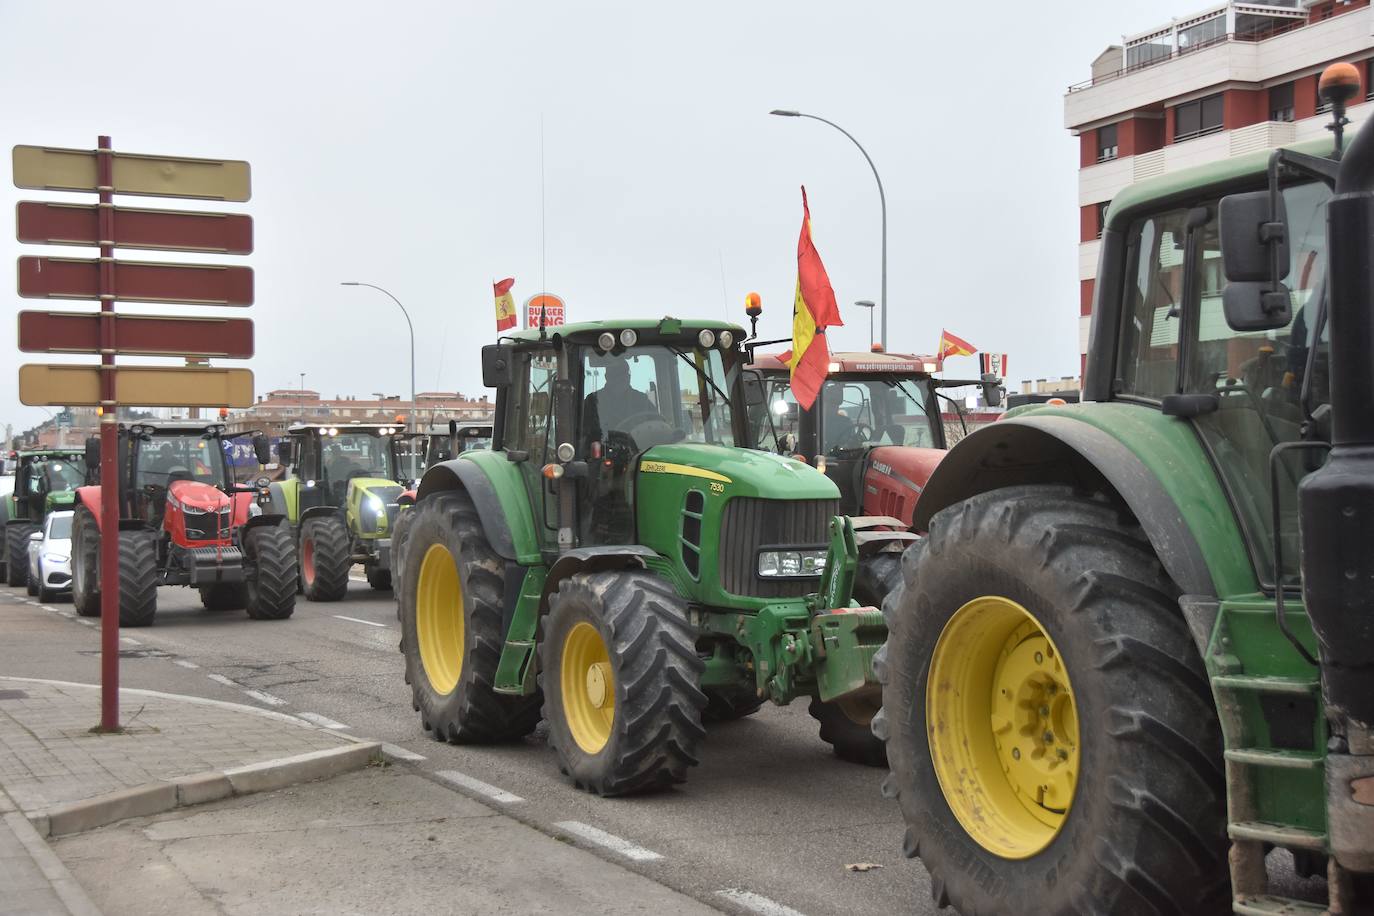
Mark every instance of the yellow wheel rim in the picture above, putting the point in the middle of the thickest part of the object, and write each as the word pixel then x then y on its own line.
pixel 588 688
pixel 439 619
pixel 1003 727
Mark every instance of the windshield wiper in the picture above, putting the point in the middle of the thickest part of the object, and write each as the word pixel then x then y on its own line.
pixel 701 372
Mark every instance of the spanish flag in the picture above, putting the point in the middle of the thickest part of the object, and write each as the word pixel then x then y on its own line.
pixel 813 311
pixel 952 346
pixel 505 305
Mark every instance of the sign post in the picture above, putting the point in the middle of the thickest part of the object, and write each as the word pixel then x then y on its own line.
pixel 106 334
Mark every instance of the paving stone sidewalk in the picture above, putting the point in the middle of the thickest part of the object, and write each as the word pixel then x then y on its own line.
pixel 49 755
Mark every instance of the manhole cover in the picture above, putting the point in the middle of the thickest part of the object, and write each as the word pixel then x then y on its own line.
pixel 13 695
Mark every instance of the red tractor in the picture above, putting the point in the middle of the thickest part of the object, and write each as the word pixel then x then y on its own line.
pixel 183 521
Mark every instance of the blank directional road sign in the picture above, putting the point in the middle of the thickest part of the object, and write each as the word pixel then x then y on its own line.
pixel 136 281
pixel 136 335
pixel 48 169
pixel 138 386
pixel 46 223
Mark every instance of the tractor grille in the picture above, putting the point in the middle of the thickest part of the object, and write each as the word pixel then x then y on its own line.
pixel 748 524
pixel 207 526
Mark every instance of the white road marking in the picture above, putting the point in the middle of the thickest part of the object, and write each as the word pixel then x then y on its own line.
pixel 756 902
pixel 53 609
pixel 482 788
pixel 400 753
pixel 185 664
pixel 67 614
pixel 86 623
pixel 221 679
pixel 608 840
pixel 265 698
pixel 356 620
pixel 321 721
pixel 129 641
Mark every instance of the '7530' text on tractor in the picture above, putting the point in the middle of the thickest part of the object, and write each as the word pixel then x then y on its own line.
pixel 620 565
pixel 45 480
pixel 182 521
pixel 1136 651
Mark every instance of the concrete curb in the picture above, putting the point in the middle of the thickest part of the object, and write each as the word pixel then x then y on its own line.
pixel 72 895
pixel 200 788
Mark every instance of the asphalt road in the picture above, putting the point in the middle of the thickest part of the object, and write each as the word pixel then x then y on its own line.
pixel 766 824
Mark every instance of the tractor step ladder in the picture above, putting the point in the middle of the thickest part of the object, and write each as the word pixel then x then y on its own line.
pixel 1237 687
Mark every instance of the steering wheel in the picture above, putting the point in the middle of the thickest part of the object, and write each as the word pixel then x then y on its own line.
pixel 630 424
pixel 862 433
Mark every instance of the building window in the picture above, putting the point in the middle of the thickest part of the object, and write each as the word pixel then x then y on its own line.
pixel 1106 143
pixel 1281 102
pixel 1202 34
pixel 1102 217
pixel 1201 116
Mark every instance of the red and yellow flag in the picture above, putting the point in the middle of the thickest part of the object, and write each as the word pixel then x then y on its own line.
pixel 505 305
pixel 952 346
pixel 813 311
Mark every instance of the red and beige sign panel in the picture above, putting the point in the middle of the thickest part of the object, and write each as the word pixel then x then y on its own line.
pixel 550 305
pixel 136 281
pixel 45 223
pixel 136 335
pixel 136 386
pixel 49 169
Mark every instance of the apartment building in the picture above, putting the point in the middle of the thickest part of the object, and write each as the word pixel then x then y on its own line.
pixel 1230 79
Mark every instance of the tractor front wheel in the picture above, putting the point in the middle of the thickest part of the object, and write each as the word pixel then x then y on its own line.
pixel 223 596
pixel 271 573
pixel 846 725
pixel 620 673
pixel 325 559
pixel 378 579
pixel 137 578
pixel 1049 725
pixel 450 602
pixel 86 563
pixel 17 552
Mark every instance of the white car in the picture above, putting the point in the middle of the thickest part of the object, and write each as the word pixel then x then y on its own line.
pixel 50 557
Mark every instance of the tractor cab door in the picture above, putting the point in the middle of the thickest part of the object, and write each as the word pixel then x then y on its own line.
pixel 314 489
pixel 528 436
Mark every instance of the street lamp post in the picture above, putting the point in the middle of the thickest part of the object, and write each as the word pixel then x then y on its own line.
pixel 882 198
pixel 300 401
pixel 868 304
pixel 410 415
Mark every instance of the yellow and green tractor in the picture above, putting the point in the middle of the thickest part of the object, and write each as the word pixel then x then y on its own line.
pixel 45 481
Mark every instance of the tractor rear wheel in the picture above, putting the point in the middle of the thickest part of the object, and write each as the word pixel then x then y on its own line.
pixel 620 670
pixel 847 726
pixel 450 601
pixel 17 552
pixel 223 596
pixel 270 582
pixel 86 563
pixel 878 574
pixel 378 579
pixel 137 578
pixel 31 586
pixel 1049 725
pixel 325 559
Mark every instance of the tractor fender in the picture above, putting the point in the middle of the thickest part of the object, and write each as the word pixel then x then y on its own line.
pixel 283 495
pixel 589 560
pixel 258 521
pixel 498 491
pixel 90 498
pixel 1057 449
pixel 319 511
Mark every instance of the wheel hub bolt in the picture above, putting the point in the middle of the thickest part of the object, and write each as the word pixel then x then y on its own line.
pixel 1016 753
pixel 1048 737
pixel 1039 658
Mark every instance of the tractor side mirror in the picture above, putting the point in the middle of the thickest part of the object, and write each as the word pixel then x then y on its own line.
pixel 992 390
pixel 262 448
pixel 498 365
pixel 92 454
pixel 286 452
pixel 1254 255
pixel 753 388
pixel 453 429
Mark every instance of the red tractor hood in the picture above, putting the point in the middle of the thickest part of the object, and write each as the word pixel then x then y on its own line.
pixel 191 494
pixel 894 477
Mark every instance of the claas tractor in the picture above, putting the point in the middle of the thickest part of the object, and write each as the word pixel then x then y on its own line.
pixel 619 565
pixel 182 521
pixel 341 500
pixel 45 480
pixel 436 449
pixel 1135 653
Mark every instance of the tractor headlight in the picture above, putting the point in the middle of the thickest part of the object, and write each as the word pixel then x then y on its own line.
pixel 785 564
pixel 726 339
pixel 628 338
pixel 605 342
pixel 375 505
pixel 707 338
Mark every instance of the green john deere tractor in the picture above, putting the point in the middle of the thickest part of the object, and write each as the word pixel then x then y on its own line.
pixel 1136 651
pixel 618 565
pixel 341 502
pixel 45 480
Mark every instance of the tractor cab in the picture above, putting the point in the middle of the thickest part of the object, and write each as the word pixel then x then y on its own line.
pixel 44 480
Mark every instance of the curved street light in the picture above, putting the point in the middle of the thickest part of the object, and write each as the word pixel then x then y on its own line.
pixel 882 197
pixel 410 416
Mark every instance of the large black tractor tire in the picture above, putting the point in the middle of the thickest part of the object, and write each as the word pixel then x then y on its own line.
pixel 270 582
pixel 325 558
pixel 451 595
pixel 137 578
pixel 379 579
pixel 727 705
pixel 847 726
pixel 17 552
pixel 85 563
pixel 634 723
pixel 877 576
pixel 1145 828
pixel 223 596
pixel 31 586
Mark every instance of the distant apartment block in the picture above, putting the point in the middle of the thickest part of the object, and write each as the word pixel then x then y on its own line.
pixel 1230 79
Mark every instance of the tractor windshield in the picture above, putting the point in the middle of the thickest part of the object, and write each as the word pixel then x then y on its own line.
pixel 655 394
pixel 163 460
pixel 64 475
pixel 360 453
pixel 1175 338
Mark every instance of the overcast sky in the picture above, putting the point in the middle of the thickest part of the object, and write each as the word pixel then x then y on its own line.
pixel 399 144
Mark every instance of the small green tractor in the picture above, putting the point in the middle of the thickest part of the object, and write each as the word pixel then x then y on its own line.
pixel 1135 652
pixel 620 566
pixel 342 501
pixel 45 480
